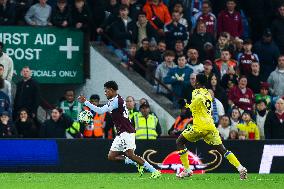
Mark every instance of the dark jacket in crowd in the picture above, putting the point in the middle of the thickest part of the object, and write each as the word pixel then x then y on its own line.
pixel 150 31
pixel 27 129
pixel 83 17
pixel 7 131
pixel 254 82
pixel 58 17
pixel 52 129
pixel 27 96
pixel 174 33
pixel 7 14
pixel 5 104
pixel 273 127
pixel 277 29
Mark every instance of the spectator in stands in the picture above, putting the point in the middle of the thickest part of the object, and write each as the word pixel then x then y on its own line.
pixel 162 47
pixel 5 104
pixel 61 14
pixel 178 77
pixel 254 78
pixel 200 38
pixel 147 125
pixel 263 95
pixel 157 14
pixel 25 125
pixel 130 105
pixel 179 48
pixel 56 126
pixel 8 64
pixel 268 53
pixel 217 108
pixel 142 57
pixel 70 106
pixel 162 71
pixel 130 62
pixel 183 17
pixel 246 58
pixel 207 17
pixel 208 71
pixel 261 114
pixel 81 17
pixel 182 121
pixel 193 61
pixel 277 28
pixel 239 47
pixel 22 6
pixel 7 12
pixel 7 129
pixel 218 91
pixel 5 85
pixel 134 8
pixel 248 126
pixel 242 135
pixel 222 43
pixel 230 20
pixel 175 31
pixel 143 29
pixel 225 61
pixel 235 117
pixel 233 135
pixel 241 96
pixel 229 79
pixel 224 127
pixel 27 94
pixel 276 79
pixel 38 14
pixel 188 88
pixel 274 123
pixel 152 62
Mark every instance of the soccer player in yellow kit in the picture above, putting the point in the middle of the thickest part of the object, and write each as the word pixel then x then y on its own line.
pixel 203 128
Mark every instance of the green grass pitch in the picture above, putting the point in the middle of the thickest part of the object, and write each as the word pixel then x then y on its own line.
pixel 131 180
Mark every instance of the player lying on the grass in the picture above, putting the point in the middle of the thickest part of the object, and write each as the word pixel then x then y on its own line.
pixel 125 139
pixel 203 128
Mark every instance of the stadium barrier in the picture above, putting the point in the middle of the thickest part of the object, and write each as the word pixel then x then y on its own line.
pixel 87 155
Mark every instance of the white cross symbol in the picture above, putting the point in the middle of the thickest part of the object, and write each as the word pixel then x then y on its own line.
pixel 69 48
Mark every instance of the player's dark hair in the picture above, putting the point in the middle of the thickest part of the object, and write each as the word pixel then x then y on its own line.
pixel 111 85
pixel 201 79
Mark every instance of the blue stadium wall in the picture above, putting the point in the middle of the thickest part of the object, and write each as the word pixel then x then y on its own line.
pixel 61 155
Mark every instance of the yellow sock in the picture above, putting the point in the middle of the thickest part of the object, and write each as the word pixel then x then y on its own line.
pixel 184 158
pixel 232 159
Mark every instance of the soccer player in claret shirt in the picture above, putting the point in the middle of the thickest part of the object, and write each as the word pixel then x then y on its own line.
pixel 203 128
pixel 125 139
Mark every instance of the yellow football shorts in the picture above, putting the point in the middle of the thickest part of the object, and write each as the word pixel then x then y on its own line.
pixel 211 136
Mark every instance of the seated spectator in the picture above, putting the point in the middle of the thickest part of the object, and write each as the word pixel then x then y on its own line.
pixel 61 15
pixel 274 123
pixel 130 105
pixel 200 38
pixel 70 106
pixel 209 70
pixel 239 47
pixel 222 43
pixel 241 96
pixel 7 12
pixel 134 8
pixel 131 62
pixel 178 7
pixel 230 20
pixel 193 61
pixel 56 126
pixel 235 118
pixel 25 125
pixel 233 135
pixel 142 57
pixel 218 91
pixel 242 135
pixel 163 69
pixel 179 48
pixel 162 47
pixel 7 129
pixel 261 114
pixel 7 63
pixel 182 121
pixel 248 126
pixel 143 29
pixel 276 79
pixel 263 95
pixel 157 14
pixel 268 54
pixel 5 104
pixel 152 62
pixel 38 14
pixel 225 61
pixel 229 79
pixel 5 85
pixel 246 58
pixel 81 17
pixel 147 125
pixel 178 77
pixel 175 31
pixel 217 108
pixel 22 6
pixel 224 127
pixel 207 17
pixel 188 88
pixel 255 78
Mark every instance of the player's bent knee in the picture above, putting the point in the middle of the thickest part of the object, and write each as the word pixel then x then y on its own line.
pixel 111 157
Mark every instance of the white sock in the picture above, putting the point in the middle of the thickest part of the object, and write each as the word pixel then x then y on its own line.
pixel 240 167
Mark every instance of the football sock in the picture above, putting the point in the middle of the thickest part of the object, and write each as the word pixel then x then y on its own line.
pixel 232 159
pixel 184 158
pixel 129 161
pixel 149 167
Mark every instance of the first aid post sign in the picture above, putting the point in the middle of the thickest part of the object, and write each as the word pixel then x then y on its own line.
pixel 54 55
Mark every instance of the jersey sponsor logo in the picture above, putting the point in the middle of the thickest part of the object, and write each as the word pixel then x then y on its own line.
pixel 172 163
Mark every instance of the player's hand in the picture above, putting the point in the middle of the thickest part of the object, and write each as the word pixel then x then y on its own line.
pixel 81 99
pixel 187 105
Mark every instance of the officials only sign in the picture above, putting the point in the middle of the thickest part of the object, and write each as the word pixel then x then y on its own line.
pixel 55 55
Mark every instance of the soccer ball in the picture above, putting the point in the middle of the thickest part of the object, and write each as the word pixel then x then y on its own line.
pixel 85 116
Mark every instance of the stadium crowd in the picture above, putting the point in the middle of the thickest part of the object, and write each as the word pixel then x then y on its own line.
pixel 238 45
